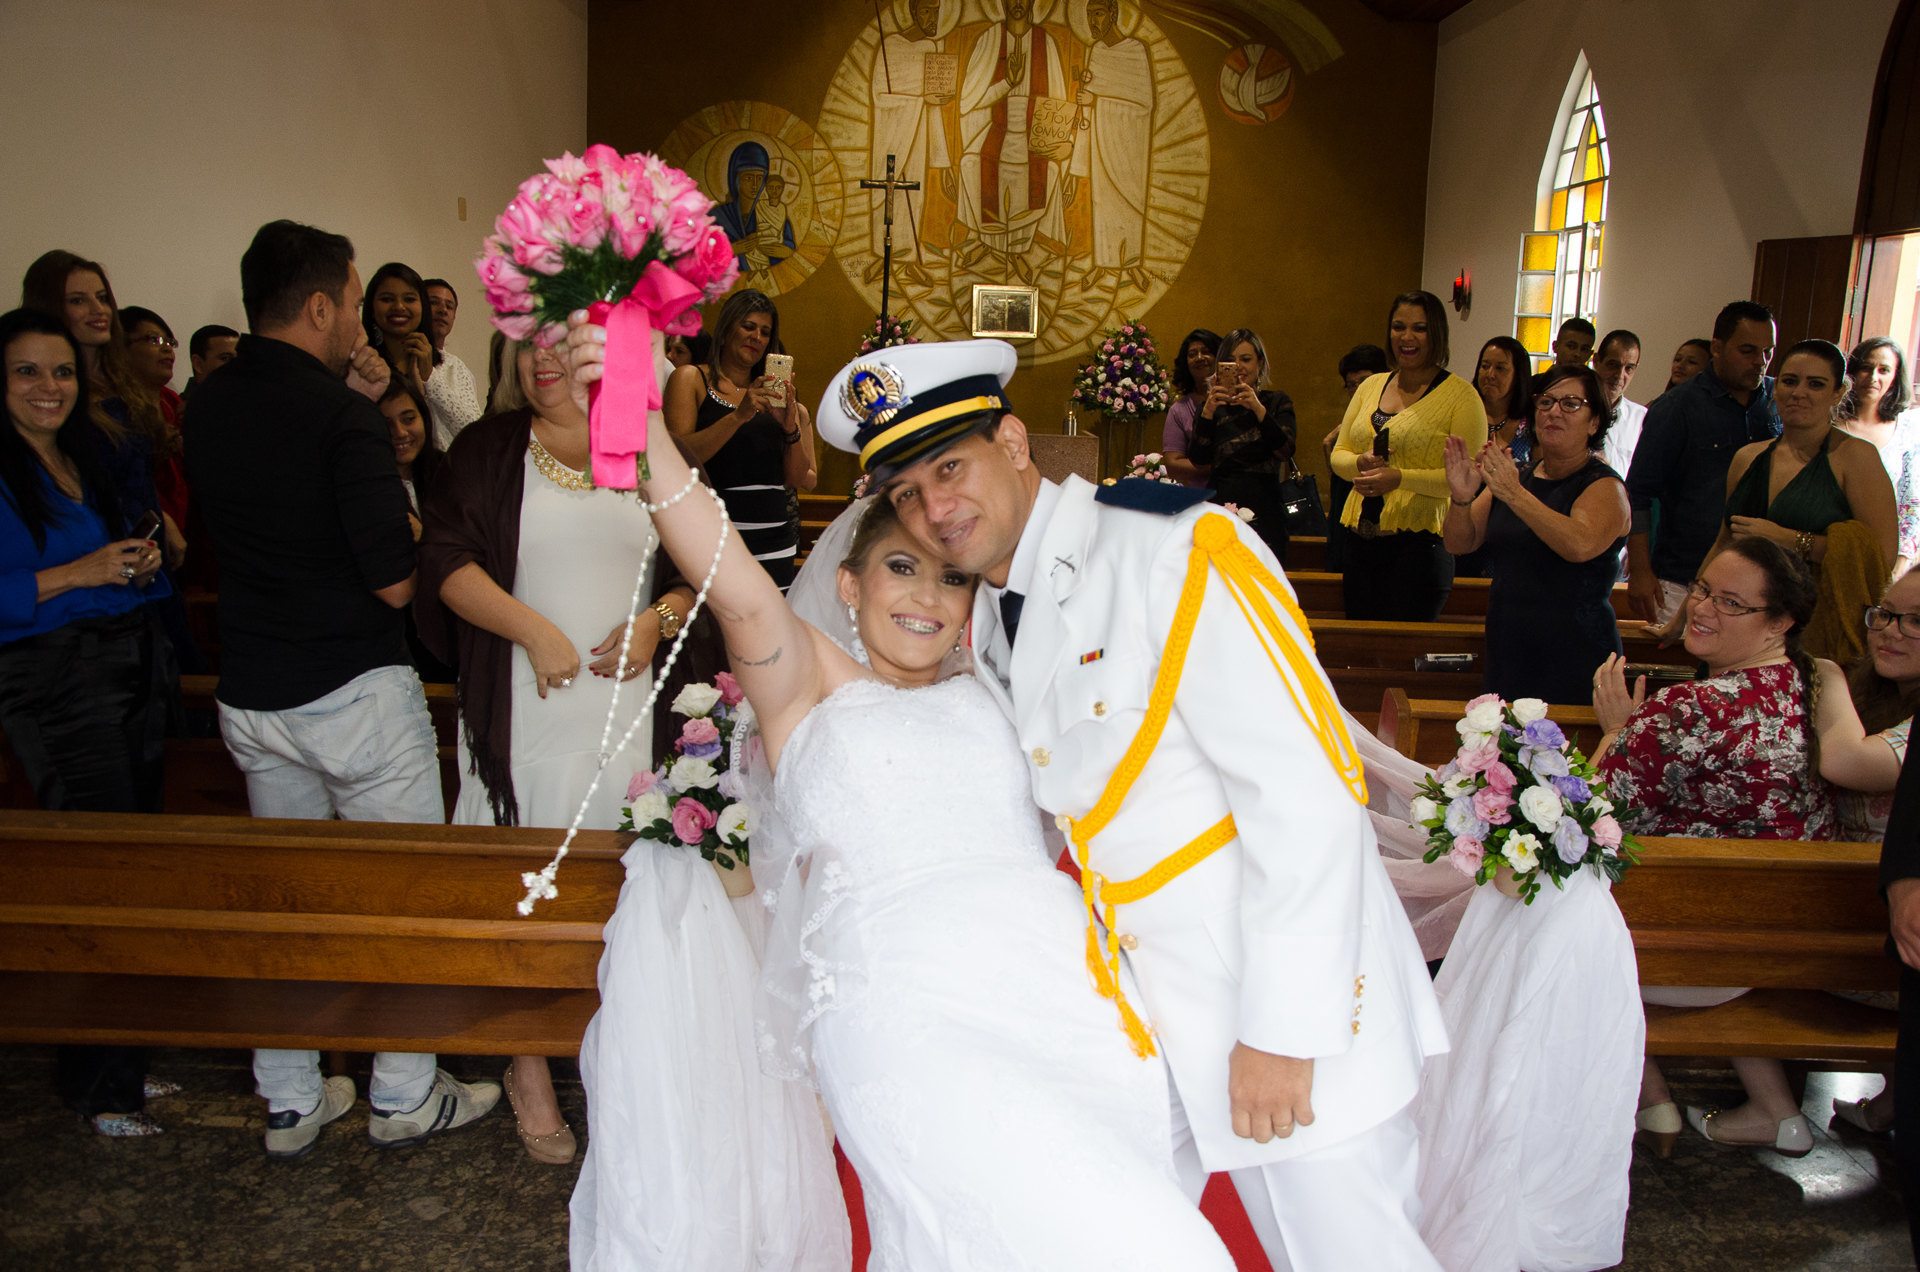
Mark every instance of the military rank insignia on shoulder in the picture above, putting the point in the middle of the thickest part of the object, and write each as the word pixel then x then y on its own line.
pixel 1141 495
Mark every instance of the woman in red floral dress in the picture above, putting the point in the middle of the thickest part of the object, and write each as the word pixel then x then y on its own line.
pixel 1729 755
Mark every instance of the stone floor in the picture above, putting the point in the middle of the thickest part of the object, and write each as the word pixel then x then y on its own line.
pixel 204 1198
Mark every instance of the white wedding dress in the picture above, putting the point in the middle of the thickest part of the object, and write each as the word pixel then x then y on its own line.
pixel 984 1091
pixel 694 1157
pixel 1526 1126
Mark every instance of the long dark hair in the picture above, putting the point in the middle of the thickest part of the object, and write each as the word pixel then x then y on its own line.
pixel 1790 593
pixel 1895 399
pixel 1520 394
pixel 375 335
pixel 427 463
pixel 736 309
pixel 1880 702
pixel 45 288
pixel 79 440
pixel 1182 374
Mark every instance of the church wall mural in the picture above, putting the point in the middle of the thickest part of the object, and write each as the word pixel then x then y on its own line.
pixel 1183 163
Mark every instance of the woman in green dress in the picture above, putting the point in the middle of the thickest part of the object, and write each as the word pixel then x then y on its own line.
pixel 1798 486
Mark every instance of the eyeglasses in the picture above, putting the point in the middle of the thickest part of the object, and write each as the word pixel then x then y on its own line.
pixel 1722 604
pixel 1879 618
pixel 158 342
pixel 1571 405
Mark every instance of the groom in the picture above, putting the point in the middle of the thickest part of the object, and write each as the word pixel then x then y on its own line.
pixel 1178 727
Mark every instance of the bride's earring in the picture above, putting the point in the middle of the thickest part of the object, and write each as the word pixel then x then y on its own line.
pixel 859 646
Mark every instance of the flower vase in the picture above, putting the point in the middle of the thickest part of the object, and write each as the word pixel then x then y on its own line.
pixel 1508 883
pixel 738 881
pixel 1122 437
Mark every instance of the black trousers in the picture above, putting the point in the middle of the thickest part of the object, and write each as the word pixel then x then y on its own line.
pixel 84 708
pixel 1403 577
pixel 1906 1102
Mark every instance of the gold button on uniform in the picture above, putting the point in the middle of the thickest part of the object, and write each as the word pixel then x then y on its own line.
pixel 1099 708
pixel 1128 941
pixel 1041 757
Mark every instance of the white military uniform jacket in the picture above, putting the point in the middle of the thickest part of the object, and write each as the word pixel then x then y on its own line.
pixel 1289 939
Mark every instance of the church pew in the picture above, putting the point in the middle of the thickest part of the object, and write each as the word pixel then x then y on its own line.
pixel 1423 728
pixel 236 932
pixel 1342 642
pixel 1792 919
pixel 1320 593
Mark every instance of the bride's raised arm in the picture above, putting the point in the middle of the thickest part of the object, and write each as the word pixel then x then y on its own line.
pixel 774 653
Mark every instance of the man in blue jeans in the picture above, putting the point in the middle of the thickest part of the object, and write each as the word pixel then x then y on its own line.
pixel 319 703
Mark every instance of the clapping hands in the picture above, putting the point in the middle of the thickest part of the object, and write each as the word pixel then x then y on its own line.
pixel 1493 467
pixel 1463 472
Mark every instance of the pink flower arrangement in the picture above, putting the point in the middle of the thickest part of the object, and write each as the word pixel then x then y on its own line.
pixel 1125 378
pixel 587 229
pixel 642 782
pixel 730 694
pixel 699 731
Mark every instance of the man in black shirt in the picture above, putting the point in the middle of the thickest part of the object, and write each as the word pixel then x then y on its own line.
pixel 319 703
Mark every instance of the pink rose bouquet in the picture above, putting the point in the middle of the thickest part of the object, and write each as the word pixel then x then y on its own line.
pixel 694 797
pixel 1519 794
pixel 633 242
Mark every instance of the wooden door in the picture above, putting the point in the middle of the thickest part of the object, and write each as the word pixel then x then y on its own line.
pixel 1805 282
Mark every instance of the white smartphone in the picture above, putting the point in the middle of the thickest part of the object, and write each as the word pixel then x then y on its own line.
pixel 780 367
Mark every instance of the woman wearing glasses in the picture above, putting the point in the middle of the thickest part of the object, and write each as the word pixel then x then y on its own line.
pixel 1552 531
pixel 1864 722
pixel 1821 495
pixel 1731 754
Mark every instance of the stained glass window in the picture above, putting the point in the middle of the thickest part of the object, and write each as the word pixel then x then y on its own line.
pixel 1560 257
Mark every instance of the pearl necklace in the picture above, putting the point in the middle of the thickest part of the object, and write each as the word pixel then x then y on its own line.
pixel 555 471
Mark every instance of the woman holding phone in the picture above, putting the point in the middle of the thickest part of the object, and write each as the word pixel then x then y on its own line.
pixel 1244 434
pixel 748 429
pixel 83 662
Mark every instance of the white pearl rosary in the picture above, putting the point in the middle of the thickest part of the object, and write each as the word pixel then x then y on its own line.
pixel 540 884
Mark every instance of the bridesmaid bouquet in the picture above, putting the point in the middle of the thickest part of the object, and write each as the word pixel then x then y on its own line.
pixel 696 797
pixel 1125 379
pixel 628 239
pixel 1519 794
pixel 1152 467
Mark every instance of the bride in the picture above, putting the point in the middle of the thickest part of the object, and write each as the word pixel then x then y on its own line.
pixel 996 1116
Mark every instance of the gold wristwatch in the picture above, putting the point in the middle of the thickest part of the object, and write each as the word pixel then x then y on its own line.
pixel 670 621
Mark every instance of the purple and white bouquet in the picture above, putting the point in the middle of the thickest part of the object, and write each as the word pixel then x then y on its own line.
pixel 1125 379
pixel 1519 794
pixel 695 797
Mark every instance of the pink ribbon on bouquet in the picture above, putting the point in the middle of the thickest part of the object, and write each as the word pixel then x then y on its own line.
pixel 628 391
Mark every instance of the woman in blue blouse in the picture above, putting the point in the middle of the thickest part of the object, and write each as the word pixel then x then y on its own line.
pixel 81 658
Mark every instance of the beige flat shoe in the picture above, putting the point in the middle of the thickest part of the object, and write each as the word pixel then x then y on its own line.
pixel 555 1148
pixel 1660 1125
pixel 1792 1137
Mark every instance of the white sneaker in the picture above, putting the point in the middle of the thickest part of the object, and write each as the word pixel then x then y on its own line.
pixel 291 1134
pixel 450 1104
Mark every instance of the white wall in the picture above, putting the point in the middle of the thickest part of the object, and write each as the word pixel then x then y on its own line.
pixel 156 136
pixel 1730 121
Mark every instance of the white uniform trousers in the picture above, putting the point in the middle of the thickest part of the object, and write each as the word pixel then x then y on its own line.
pixel 1349 1205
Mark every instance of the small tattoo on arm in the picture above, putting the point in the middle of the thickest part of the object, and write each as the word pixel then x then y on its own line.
pixel 768 661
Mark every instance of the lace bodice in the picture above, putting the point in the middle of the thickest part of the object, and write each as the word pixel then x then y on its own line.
pixel 944 761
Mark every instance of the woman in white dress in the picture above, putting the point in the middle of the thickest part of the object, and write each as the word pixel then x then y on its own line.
pixel 996 1113
pixel 515 604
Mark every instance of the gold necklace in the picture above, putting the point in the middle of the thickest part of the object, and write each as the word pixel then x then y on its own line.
pixel 555 471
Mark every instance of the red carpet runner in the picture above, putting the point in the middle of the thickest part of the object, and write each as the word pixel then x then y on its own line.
pixel 1221 1204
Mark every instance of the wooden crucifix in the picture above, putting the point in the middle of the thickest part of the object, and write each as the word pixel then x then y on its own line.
pixel 891 184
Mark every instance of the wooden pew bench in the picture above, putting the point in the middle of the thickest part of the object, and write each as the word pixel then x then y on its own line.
pixel 1791 919
pixel 1423 728
pixel 356 936
pixel 1322 595
pixel 1342 642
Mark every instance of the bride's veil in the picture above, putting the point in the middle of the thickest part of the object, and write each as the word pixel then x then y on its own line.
pixel 799 884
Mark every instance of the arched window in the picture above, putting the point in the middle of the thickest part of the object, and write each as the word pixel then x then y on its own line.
pixel 1560 257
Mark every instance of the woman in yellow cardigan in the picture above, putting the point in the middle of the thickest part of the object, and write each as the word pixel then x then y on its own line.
pixel 1392 448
